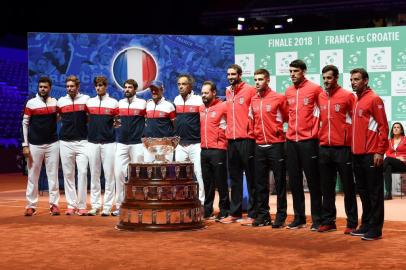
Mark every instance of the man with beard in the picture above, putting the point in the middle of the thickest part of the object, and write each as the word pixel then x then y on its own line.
pixel 214 151
pixel 187 127
pixel 336 105
pixel 73 145
pixel 369 143
pixel 40 142
pixel 130 129
pixel 268 113
pixel 302 145
pixel 102 110
pixel 241 145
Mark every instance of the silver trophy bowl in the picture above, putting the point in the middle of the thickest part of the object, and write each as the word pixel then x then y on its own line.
pixel 161 147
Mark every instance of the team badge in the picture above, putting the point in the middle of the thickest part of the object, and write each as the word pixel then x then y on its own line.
pixel 305 101
pixel 107 111
pixel 241 101
pixel 360 113
pixel 191 109
pixel 323 107
pixel 213 114
pixel 268 108
pixel 291 101
pixel 337 107
pixel 136 112
pixel 161 114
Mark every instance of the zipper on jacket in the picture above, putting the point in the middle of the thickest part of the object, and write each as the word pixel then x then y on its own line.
pixel 233 114
pixel 205 126
pixel 328 119
pixel 353 126
pixel 262 121
pixel 297 104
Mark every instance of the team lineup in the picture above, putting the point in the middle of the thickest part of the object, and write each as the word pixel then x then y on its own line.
pixel 329 130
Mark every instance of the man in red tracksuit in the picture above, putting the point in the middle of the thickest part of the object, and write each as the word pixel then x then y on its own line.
pixel 336 105
pixel 302 144
pixel 268 112
pixel 241 145
pixel 369 143
pixel 213 151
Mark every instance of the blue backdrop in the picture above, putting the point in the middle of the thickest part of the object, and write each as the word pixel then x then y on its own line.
pixel 117 55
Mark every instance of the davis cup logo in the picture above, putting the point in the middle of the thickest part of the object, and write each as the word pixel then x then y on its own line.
pixel 135 63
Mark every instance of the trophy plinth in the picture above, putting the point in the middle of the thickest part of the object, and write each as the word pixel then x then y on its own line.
pixel 163 193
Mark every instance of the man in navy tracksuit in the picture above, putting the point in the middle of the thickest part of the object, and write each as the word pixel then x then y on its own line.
pixel 159 118
pixel 131 111
pixel 40 143
pixel 188 127
pixel 102 110
pixel 73 145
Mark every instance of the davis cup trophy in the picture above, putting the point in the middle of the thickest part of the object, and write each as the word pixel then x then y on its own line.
pixel 161 195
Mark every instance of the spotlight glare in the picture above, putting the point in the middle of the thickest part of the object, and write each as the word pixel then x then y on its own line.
pixel 241 19
pixel 278 26
pixel 289 20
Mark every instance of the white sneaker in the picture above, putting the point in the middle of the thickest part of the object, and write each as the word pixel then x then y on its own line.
pixel 115 213
pixel 93 212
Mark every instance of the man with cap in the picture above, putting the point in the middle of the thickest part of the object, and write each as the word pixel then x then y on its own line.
pixel 159 118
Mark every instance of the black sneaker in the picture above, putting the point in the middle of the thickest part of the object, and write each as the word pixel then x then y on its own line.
pixel 360 232
pixel 371 236
pixel 278 224
pixel 220 217
pixel 296 224
pixel 315 227
pixel 260 222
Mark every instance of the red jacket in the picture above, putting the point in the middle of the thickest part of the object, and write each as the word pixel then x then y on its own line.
pixel 238 103
pixel 213 125
pixel 400 151
pixel 369 125
pixel 268 112
pixel 335 117
pixel 303 111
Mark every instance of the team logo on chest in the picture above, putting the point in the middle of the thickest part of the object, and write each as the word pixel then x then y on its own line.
pixel 241 100
pixel 268 108
pixel 191 109
pixel 305 101
pixel 213 114
pixel 337 107
pixel 81 107
pixel 323 107
pixel 107 111
pixel 360 112
pixel 291 101
pixel 161 114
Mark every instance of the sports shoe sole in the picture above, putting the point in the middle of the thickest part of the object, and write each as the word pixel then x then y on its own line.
pixel 371 238
pixel 296 227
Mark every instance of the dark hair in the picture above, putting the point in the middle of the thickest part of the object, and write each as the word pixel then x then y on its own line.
pixel 263 72
pixel 132 82
pixel 332 68
pixel 402 131
pixel 45 80
pixel 236 68
pixel 74 79
pixel 298 64
pixel 213 86
pixel 100 79
pixel 362 71
pixel 189 78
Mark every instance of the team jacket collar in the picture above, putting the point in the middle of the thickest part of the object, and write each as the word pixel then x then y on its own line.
pixel 103 97
pixel 76 97
pixel 188 96
pixel 160 101
pixel 366 91
pixel 39 97
pixel 332 92
pixel 265 93
pixel 302 84
pixel 213 102
pixel 237 88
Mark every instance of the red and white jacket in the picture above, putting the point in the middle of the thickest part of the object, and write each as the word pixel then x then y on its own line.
pixel 238 103
pixel 303 111
pixel 213 125
pixel 399 151
pixel 335 117
pixel 369 125
pixel 267 113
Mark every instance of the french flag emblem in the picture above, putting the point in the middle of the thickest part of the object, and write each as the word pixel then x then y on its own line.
pixel 135 63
